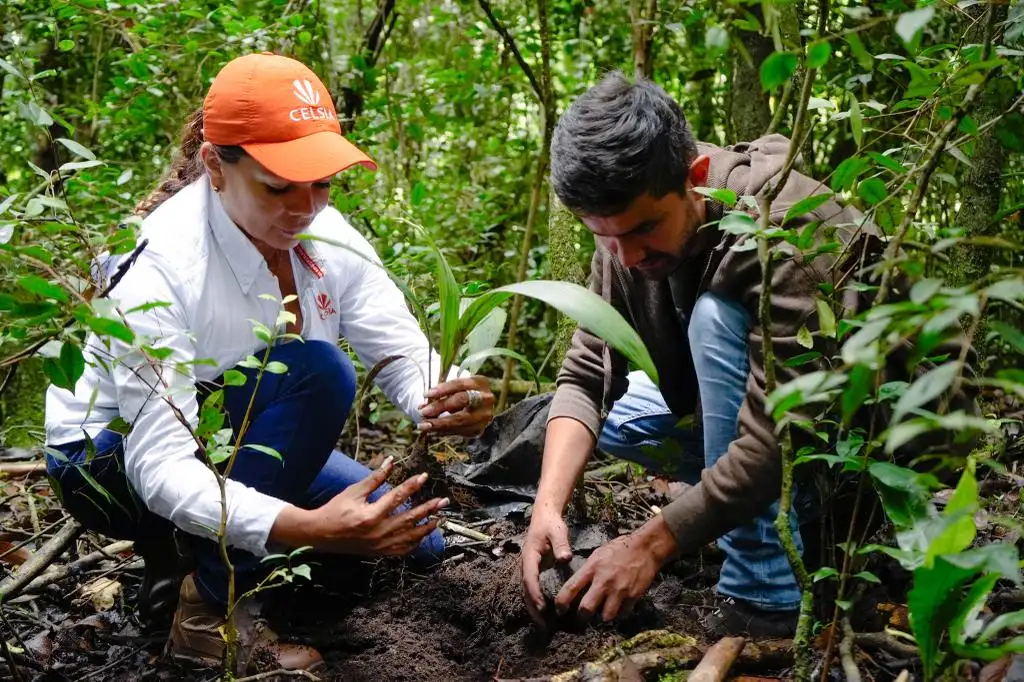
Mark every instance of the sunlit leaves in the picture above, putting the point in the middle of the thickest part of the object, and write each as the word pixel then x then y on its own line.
pixel 911 24
pixel 777 68
pixel 929 387
pixel 818 54
pixel 872 190
pixel 847 172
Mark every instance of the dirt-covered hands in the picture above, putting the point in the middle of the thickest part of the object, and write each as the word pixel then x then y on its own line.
pixel 619 573
pixel 460 407
pixel 547 539
pixel 350 524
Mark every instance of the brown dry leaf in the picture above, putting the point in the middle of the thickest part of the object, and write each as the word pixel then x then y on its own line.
pixel 102 592
pixel 15 558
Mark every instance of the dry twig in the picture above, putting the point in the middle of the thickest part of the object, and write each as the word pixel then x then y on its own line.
pixel 39 561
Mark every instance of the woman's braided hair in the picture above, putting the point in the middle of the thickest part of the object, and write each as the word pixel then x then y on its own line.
pixel 187 166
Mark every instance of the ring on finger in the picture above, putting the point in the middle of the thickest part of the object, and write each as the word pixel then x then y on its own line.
pixel 474 399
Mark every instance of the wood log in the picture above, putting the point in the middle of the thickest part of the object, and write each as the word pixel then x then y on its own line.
pixel 39 561
pixel 763 654
pixel 717 661
pixel 22 468
pixel 55 573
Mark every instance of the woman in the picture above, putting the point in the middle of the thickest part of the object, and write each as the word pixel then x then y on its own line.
pixel 223 252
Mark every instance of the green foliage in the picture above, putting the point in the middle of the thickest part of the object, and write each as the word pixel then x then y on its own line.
pixel 94 93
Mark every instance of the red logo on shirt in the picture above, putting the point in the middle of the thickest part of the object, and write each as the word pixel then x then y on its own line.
pixel 324 305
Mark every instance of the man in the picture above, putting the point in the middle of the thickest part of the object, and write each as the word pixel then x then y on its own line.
pixel 625 162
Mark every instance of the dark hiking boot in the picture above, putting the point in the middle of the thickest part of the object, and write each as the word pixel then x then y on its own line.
pixel 165 567
pixel 737 617
pixel 196 637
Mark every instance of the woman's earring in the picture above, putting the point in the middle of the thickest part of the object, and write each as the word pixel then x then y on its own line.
pixel 216 188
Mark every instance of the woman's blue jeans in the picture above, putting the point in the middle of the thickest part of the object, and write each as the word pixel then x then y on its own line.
pixel 299 413
pixel 642 429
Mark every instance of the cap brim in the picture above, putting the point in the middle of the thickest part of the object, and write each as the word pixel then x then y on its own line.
pixel 310 158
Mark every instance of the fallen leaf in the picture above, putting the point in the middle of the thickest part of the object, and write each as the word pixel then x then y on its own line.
pixel 102 592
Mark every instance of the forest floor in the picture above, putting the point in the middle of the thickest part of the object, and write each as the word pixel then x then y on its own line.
pixel 389 620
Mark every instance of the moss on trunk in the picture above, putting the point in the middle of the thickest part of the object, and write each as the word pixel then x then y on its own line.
pixel 563 249
pixel 21 406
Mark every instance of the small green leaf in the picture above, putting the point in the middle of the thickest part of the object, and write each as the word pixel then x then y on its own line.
pixel 41 287
pixel 736 222
pixel 804 338
pixel 265 450
pixel 77 148
pixel 275 367
pixel 725 196
pixel 805 206
pixel 777 69
pixel 219 454
pixel 72 362
pixel 826 318
pixel 888 163
pixel 302 570
pixel 856 121
pixel 859 52
pixel 261 332
pixel 872 190
pixel 802 359
pixel 868 576
pixel 251 362
pixel 818 54
pixel 106 327
pixel 66 45
pixel 927 388
pixel 233 377
pixel 1008 333
pixel 825 572
pixel 847 172
pixel 418 194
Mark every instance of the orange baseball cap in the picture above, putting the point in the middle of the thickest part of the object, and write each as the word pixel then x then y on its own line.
pixel 278 111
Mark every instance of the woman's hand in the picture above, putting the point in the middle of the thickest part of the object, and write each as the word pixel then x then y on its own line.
pixel 468 402
pixel 349 523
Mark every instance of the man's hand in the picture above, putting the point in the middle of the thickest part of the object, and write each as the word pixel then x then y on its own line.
pixel 349 524
pixel 464 418
pixel 618 574
pixel 547 538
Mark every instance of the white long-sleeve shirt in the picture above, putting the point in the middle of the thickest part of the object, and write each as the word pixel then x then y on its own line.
pixel 201 263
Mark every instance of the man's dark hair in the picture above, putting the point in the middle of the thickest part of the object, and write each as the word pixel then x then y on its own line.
pixel 616 142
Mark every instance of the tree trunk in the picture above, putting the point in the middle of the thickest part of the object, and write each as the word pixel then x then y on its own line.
pixel 750 113
pixel 563 250
pixel 373 42
pixel 21 404
pixel 982 185
pixel 642 13
pixel 547 102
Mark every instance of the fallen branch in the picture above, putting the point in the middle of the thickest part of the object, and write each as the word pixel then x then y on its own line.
pixel 39 561
pixel 89 560
pixel 850 669
pixel 717 661
pixel 885 642
pixel 769 653
pixel 453 527
pixel 275 674
pixel 22 468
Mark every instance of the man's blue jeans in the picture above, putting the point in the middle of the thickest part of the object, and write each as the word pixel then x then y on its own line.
pixel 299 413
pixel 642 429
